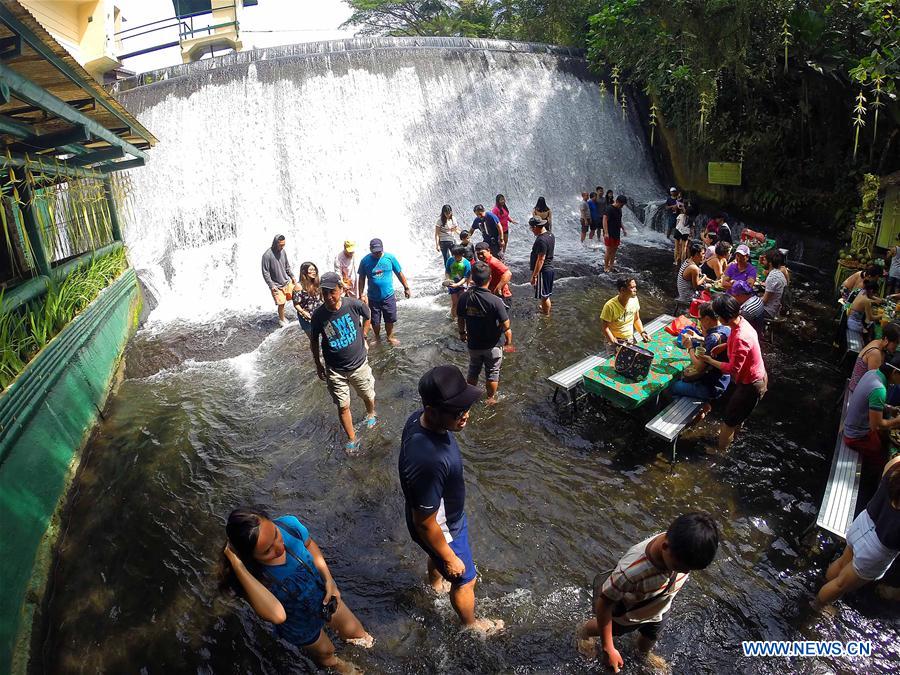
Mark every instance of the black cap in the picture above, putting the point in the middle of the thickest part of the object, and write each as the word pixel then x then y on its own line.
pixel 481 273
pixel 329 281
pixel 534 221
pixel 445 387
pixel 375 246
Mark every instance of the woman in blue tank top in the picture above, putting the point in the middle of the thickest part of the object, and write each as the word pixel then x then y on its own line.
pixel 278 568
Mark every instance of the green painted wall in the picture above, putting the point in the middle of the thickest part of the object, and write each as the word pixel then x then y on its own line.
pixel 46 416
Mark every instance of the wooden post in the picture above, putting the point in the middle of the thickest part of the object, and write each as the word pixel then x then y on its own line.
pixel 113 213
pixel 30 223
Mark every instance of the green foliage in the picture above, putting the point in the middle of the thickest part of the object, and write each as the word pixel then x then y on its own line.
pixel 24 331
pixel 772 83
pixel 562 22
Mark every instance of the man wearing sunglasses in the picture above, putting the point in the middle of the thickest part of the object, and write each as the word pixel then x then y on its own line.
pixel 431 476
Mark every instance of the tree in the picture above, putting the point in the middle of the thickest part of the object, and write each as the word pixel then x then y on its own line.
pixel 562 22
pixel 772 82
pixel 472 18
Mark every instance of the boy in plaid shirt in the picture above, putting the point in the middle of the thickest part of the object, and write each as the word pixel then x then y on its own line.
pixel 640 590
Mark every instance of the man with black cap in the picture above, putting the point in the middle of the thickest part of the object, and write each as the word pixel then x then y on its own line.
pixel 378 269
pixel 542 262
pixel 277 274
pixel 339 329
pixel 482 320
pixel 431 476
pixel 489 226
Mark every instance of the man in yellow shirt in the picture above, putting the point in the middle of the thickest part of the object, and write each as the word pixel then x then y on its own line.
pixel 621 315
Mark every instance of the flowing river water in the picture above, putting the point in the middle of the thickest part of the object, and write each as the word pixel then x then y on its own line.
pixel 217 415
pixel 219 407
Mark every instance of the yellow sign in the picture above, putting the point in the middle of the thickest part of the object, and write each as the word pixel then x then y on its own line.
pixel 724 173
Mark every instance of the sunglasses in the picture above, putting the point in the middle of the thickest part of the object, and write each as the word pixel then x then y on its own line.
pixel 455 414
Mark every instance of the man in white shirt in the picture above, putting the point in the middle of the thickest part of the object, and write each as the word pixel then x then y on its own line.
pixel 776 282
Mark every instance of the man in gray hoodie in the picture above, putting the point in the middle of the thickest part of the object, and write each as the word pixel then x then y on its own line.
pixel 276 271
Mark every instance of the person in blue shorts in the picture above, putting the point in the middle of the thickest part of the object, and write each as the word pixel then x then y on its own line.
pixel 434 489
pixel 458 275
pixel 378 270
pixel 277 567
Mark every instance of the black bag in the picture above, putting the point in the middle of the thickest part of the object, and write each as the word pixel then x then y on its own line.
pixel 633 362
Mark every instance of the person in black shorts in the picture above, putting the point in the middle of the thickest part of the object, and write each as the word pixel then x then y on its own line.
pixel 542 262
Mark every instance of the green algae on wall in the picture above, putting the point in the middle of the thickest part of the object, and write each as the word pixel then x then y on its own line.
pixel 45 417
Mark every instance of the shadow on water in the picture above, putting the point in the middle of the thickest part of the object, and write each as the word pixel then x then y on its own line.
pixel 211 417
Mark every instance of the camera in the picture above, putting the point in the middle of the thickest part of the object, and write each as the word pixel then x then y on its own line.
pixel 329 609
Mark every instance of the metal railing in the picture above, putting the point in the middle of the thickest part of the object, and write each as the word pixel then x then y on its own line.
pixel 185 25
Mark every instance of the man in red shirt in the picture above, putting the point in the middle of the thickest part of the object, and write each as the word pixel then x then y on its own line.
pixel 744 364
pixel 500 274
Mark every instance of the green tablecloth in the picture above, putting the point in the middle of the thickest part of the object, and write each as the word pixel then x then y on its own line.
pixel 667 365
pixel 762 248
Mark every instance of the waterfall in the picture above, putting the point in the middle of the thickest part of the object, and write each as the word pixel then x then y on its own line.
pixel 358 139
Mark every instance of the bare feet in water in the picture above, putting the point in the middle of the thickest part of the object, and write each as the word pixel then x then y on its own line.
pixel 704 411
pixel 441 586
pixel 586 646
pixel 486 627
pixel 366 641
pixel 657 662
pixel 394 341
pixel 490 401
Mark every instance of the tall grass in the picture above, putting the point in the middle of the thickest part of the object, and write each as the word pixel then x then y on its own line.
pixel 26 330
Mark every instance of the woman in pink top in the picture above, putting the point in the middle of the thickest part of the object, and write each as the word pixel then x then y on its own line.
pixel 501 210
pixel 744 364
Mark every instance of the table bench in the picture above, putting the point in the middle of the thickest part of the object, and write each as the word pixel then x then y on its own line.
pixel 854 342
pixel 568 381
pixel 674 418
pixel 839 501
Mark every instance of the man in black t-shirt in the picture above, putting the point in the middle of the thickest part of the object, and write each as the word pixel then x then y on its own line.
pixel 339 329
pixel 482 319
pixel 542 262
pixel 613 231
pixel 434 490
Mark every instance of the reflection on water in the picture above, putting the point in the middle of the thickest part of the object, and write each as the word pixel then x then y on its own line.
pixel 214 416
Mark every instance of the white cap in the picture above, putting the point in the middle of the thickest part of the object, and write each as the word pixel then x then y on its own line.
pixel 673 189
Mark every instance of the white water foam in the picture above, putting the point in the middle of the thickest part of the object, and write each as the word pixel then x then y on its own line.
pixel 354 146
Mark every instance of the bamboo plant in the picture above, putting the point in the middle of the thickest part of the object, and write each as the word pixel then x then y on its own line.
pixel 859 120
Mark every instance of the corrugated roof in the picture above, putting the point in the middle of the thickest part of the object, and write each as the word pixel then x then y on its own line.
pixel 48 64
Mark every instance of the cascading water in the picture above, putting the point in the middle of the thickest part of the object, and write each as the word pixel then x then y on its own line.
pixel 358 139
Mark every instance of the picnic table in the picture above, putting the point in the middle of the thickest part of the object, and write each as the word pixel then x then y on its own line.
pixel 757 251
pixel 668 363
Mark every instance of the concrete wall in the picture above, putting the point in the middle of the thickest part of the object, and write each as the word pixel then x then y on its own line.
pixel 46 416
pixel 86 28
